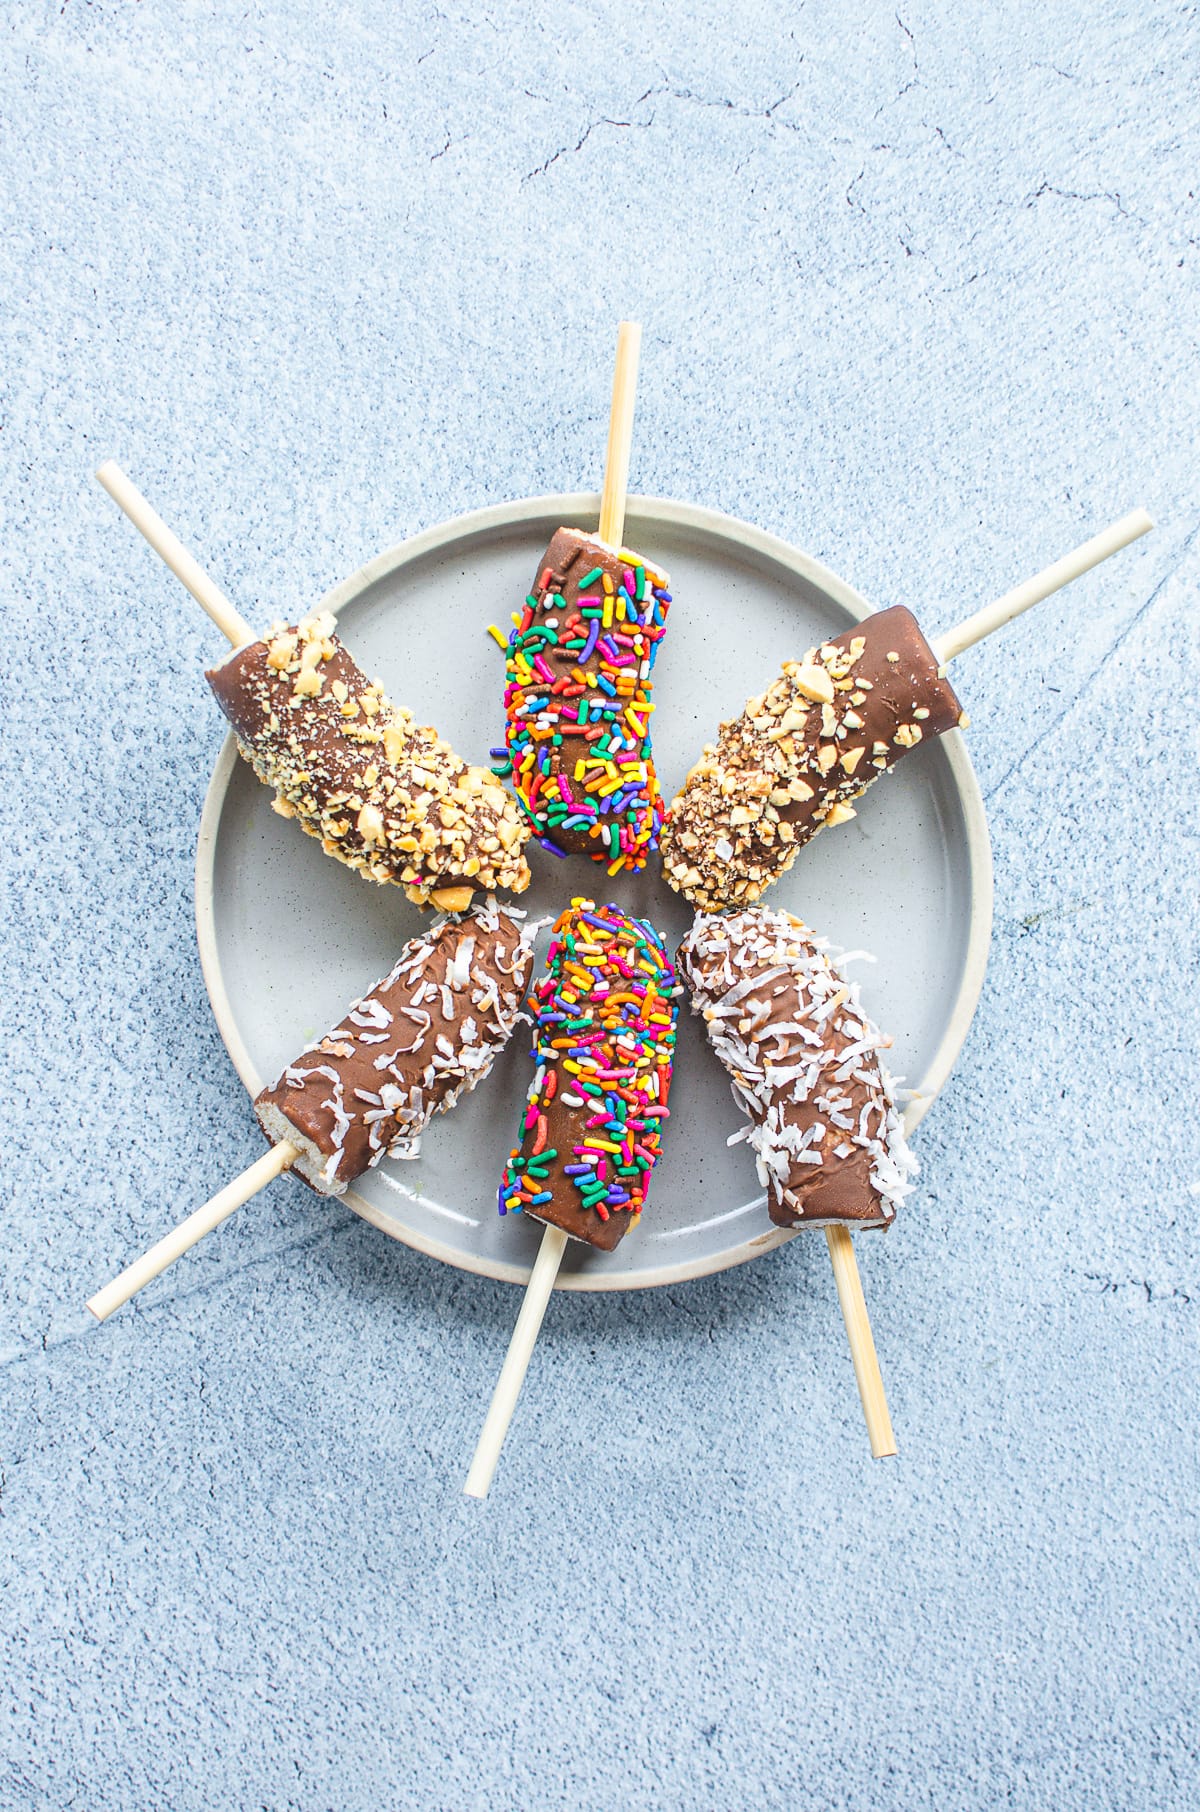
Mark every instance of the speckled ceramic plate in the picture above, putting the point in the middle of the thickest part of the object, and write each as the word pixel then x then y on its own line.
pixel 288 938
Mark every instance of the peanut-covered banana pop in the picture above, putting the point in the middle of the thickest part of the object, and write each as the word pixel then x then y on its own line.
pixel 797 756
pixel 578 700
pixel 805 1068
pixel 828 726
pixel 383 794
pixel 423 1037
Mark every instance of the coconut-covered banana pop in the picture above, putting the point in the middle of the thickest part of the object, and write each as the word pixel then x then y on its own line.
pixel 823 730
pixel 384 795
pixel 424 1036
pixel 604 1043
pixel 409 1049
pixel 577 701
pixel 799 753
pixel 804 1062
pixel 803 1059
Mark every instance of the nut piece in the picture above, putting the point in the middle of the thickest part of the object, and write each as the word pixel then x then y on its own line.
pixel 280 652
pixel 452 899
pixel 307 683
pixel 813 682
pixel 839 814
pixel 370 824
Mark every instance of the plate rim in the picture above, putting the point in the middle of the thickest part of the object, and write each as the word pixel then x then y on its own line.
pixel 575 507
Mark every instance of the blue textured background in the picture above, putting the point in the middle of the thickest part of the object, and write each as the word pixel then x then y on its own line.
pixel 919 293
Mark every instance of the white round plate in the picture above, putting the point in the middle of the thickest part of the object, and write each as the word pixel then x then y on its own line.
pixel 288 937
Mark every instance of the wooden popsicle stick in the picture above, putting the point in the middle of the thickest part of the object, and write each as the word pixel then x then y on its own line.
pixel 554 1240
pixel 862 1343
pixel 994 616
pixel 151 1265
pixel 171 550
pixel 516 1362
pixel 620 434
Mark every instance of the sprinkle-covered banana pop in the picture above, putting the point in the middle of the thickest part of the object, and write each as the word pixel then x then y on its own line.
pixel 604 1043
pixel 804 1062
pixel 385 795
pixel 409 1049
pixel 827 727
pixel 577 701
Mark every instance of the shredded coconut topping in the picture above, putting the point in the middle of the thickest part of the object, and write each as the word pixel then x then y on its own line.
pixel 423 1037
pixel 805 1066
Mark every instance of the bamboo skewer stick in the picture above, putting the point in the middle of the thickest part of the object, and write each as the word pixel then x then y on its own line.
pixel 620 434
pixel 554 1240
pixel 862 1343
pixel 174 554
pixel 1071 566
pixel 516 1361
pixel 182 1238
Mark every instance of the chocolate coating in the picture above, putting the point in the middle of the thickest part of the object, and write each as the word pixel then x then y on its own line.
pixel 804 1062
pixel 427 1034
pixel 385 795
pixel 793 760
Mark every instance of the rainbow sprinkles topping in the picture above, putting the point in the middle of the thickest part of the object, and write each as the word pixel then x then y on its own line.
pixel 604 1042
pixel 578 702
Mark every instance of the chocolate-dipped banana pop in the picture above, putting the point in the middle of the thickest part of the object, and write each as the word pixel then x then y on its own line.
pixel 408 1050
pixel 804 1063
pixel 422 1038
pixel 578 701
pixel 822 731
pixel 798 754
pixel 384 795
pixel 577 696
pixel 604 1042
pixel 805 1068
